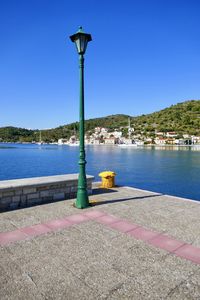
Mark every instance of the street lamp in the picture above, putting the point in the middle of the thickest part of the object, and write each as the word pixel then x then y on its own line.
pixel 81 39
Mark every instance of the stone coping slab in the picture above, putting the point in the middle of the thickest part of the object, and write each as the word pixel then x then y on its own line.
pixel 26 192
pixel 36 181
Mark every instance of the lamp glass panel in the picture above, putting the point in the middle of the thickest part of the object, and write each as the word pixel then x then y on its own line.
pixel 83 43
pixel 77 42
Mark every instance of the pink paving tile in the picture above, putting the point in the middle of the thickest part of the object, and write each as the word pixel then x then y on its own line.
pixel 107 219
pixel 93 214
pixel 35 230
pixel 76 219
pixel 123 226
pixel 165 242
pixel 189 252
pixel 143 234
pixel 12 236
pixel 58 224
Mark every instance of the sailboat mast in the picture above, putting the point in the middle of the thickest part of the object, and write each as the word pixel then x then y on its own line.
pixel 129 128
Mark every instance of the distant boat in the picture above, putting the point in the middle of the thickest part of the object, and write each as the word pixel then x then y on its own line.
pixel 74 144
pixel 40 140
pixel 139 143
pixel 129 143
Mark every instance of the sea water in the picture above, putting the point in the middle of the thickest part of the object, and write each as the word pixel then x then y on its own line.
pixel 168 170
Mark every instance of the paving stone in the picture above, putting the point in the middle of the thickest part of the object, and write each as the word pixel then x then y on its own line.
pixel 19 287
pixel 189 252
pixel 166 243
pixel 189 289
pixel 10 237
pixel 156 282
pixel 36 230
pixel 58 224
pixel 107 219
pixel 123 226
pixel 76 219
pixel 185 291
pixel 93 214
pixel 143 234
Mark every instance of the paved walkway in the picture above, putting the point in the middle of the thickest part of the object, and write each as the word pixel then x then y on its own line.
pixel 131 244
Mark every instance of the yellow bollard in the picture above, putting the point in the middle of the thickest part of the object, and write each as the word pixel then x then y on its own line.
pixel 108 179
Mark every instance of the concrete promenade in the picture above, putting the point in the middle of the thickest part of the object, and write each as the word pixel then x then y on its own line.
pixel 131 244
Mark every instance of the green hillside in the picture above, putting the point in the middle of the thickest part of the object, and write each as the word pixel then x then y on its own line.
pixel 15 134
pixel 183 118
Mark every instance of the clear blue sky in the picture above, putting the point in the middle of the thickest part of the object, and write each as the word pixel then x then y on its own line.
pixel 145 56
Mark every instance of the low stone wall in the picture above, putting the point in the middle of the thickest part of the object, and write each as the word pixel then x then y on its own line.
pixel 30 191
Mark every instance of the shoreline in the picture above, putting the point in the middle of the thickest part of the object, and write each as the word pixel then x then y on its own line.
pixel 138 146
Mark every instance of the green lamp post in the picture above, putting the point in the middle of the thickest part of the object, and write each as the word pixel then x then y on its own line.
pixel 81 40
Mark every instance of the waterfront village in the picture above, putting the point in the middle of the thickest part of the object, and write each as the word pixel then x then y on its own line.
pixel 104 136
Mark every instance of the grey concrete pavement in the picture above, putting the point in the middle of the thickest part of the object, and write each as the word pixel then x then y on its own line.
pixel 92 261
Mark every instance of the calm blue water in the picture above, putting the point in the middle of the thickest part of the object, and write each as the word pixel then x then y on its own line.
pixel 173 171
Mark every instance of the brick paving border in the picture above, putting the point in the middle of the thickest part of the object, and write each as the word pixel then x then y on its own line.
pixel 153 238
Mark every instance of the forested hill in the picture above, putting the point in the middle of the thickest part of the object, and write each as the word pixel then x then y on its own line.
pixel 183 118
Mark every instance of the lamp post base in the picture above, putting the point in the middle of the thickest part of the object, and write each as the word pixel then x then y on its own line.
pixel 82 200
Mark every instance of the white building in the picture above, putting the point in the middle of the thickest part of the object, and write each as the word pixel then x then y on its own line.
pixel 96 141
pixel 62 141
pixel 110 141
pixel 171 134
pixel 159 133
pixel 116 134
pixel 73 139
pixel 104 130
pixel 195 139
pixel 97 129
pixel 160 141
